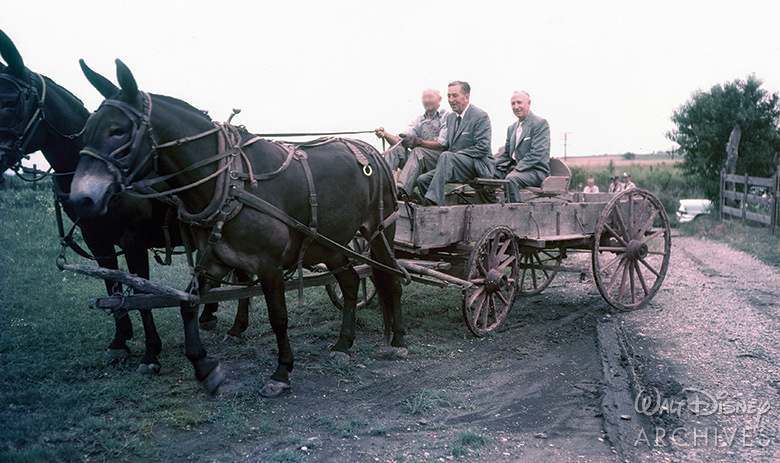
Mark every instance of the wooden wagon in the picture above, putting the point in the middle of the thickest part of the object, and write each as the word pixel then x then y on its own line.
pixel 493 251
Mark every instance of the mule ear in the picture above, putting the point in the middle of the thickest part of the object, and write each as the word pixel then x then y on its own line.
pixel 11 56
pixel 103 85
pixel 126 80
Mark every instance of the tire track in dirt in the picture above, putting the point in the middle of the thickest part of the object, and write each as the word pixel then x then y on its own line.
pixel 712 329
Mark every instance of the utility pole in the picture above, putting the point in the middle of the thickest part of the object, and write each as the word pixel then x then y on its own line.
pixel 565 144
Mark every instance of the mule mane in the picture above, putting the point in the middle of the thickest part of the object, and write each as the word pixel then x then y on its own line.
pixel 183 105
pixel 50 81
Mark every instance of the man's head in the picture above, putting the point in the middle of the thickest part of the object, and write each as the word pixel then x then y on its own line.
pixel 615 179
pixel 458 93
pixel 626 177
pixel 591 182
pixel 521 104
pixel 431 99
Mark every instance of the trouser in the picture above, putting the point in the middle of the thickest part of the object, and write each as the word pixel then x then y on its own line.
pixel 519 180
pixel 451 167
pixel 419 161
pixel 396 157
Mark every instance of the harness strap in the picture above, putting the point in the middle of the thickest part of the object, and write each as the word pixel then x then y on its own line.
pixel 301 156
pixel 269 209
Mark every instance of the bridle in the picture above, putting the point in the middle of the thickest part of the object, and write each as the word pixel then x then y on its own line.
pixel 121 161
pixel 23 132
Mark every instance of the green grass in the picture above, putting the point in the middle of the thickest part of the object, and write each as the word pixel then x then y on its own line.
pixel 756 241
pixel 59 401
pixel 426 400
pixel 468 441
pixel 342 427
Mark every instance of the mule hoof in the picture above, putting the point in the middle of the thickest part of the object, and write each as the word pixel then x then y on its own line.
pixel 400 352
pixel 391 352
pixel 148 369
pixel 213 380
pixel 230 339
pixel 208 325
pixel 116 355
pixel 273 389
pixel 339 358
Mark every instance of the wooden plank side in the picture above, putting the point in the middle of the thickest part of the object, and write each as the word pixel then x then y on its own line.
pixel 757 181
pixel 756 217
pixel 732 211
pixel 440 226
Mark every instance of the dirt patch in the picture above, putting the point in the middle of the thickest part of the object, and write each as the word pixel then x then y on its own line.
pixel 531 392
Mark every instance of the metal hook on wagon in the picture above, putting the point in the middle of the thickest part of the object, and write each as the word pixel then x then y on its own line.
pixel 367 170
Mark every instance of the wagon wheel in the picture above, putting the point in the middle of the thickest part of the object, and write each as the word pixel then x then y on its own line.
pixel 538 267
pixel 366 290
pixel 492 269
pixel 632 245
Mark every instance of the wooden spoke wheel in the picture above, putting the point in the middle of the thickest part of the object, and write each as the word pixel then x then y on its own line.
pixel 632 245
pixel 538 267
pixel 492 269
pixel 366 290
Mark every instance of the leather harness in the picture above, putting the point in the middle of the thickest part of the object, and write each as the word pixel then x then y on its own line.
pixel 234 170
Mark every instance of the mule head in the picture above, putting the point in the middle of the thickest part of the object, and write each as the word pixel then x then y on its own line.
pixel 118 143
pixel 20 100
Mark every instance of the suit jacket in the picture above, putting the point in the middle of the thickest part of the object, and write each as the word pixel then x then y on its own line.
pixel 472 139
pixel 533 152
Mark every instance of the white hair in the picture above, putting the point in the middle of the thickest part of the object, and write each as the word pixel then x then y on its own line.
pixel 438 93
pixel 522 92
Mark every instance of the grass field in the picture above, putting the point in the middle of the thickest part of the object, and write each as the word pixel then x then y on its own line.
pixel 753 240
pixel 59 401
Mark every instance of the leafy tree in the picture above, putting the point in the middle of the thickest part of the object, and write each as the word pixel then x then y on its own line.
pixel 629 156
pixel 704 124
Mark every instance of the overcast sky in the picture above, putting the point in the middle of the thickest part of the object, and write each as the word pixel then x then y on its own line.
pixel 609 73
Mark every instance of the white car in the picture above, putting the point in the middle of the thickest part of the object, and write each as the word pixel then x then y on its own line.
pixel 691 208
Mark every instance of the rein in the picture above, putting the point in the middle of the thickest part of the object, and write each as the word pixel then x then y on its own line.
pixel 23 137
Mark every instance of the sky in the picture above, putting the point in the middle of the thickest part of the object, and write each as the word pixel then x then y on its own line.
pixel 608 74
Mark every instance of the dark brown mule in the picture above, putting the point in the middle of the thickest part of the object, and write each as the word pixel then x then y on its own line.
pixel 133 133
pixel 36 114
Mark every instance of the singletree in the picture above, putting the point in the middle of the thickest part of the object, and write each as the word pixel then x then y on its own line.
pixel 705 122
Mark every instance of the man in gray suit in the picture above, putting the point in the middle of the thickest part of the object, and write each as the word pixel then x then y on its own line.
pixel 468 147
pixel 526 158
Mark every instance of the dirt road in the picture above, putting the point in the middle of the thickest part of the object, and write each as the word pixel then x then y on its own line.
pixel 559 382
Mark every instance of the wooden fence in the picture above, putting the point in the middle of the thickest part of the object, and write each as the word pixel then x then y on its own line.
pixel 749 198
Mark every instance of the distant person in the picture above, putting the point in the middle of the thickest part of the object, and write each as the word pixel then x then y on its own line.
pixel 591 187
pixel 425 138
pixel 627 183
pixel 526 158
pixel 468 153
pixel 614 186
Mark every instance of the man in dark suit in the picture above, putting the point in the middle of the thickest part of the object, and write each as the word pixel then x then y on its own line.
pixel 526 158
pixel 468 147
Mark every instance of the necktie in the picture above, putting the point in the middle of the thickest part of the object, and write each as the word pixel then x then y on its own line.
pixel 457 124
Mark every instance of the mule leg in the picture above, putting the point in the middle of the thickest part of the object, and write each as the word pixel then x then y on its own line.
pixel 241 323
pixel 207 370
pixel 117 349
pixel 208 318
pixel 138 263
pixel 273 289
pixel 388 289
pixel 349 281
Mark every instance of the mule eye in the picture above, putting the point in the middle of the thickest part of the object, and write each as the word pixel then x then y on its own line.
pixel 117 132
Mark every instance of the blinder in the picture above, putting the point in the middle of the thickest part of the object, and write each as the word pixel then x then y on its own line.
pixel 29 103
pixel 122 161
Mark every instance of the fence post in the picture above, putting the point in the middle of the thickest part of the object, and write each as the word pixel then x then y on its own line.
pixel 775 202
pixel 722 193
pixel 744 198
pixel 35 172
